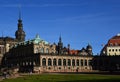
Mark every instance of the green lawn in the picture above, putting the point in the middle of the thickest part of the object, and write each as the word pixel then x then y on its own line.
pixel 66 78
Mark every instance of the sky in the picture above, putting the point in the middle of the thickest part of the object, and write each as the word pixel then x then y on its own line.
pixel 79 22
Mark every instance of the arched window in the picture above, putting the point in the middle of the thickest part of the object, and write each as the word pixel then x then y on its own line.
pixel 69 62
pixel 77 62
pixel 49 62
pixel 42 50
pixel 54 62
pixel 81 62
pixel 43 62
pixel 47 50
pixel 59 62
pixel 64 62
pixel 85 62
pixel 73 62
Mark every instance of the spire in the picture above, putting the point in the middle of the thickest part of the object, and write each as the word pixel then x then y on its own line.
pixel 20 25
pixel 20 12
pixel 60 39
pixel 19 19
pixel 20 34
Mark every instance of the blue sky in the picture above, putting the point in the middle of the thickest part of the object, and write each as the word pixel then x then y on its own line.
pixel 79 22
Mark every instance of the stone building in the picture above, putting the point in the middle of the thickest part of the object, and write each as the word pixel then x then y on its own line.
pixel 64 63
pixel 84 51
pixel 112 47
pixel 7 42
pixel 37 55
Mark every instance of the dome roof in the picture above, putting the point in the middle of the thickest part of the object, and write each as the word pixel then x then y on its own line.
pixel 114 41
pixel 89 46
pixel 83 49
pixel 116 37
pixel 38 40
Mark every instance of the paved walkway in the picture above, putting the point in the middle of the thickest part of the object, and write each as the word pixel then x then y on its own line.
pixel 9 76
pixel 16 75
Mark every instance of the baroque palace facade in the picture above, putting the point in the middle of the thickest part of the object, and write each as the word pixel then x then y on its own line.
pixel 38 55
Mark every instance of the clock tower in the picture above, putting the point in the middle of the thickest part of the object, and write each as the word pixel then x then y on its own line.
pixel 20 34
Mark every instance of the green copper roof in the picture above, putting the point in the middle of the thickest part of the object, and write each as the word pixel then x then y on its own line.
pixel 38 40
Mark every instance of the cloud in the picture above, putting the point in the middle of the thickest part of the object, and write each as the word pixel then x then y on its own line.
pixel 80 17
pixel 93 18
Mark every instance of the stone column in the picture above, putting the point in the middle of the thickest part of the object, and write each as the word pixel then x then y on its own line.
pixel 46 61
pixel 83 62
pixel 75 62
pixel 80 62
pixel 51 61
pixel 62 62
pixel 66 62
pixel 88 62
pixel 41 61
pixel 56 61
pixel 71 62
